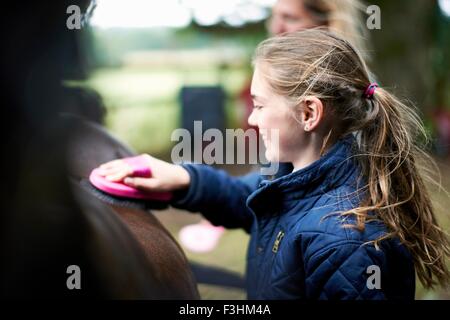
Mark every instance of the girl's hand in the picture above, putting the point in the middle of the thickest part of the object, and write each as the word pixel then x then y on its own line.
pixel 165 176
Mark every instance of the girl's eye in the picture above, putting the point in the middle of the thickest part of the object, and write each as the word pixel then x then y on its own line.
pixel 257 107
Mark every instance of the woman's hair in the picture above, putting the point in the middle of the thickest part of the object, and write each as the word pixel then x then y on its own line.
pixel 319 63
pixel 343 17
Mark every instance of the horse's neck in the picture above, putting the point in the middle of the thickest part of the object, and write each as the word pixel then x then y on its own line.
pixel 161 249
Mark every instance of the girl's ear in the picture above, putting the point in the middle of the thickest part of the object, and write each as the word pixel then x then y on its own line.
pixel 311 113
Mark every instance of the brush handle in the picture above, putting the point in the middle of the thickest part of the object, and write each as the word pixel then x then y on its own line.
pixel 139 166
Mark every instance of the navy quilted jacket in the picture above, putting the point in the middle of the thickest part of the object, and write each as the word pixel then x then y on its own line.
pixel 297 249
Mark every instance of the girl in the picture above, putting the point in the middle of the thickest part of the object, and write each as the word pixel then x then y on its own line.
pixel 353 220
pixel 341 16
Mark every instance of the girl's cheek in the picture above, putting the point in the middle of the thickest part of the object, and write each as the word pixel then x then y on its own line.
pixel 265 120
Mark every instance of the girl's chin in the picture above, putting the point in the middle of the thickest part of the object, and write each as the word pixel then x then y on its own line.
pixel 270 156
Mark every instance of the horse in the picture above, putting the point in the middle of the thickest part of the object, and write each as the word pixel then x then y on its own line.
pixel 91 145
pixel 50 224
pixel 49 221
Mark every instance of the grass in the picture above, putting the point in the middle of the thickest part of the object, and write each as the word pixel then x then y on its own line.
pixel 143 104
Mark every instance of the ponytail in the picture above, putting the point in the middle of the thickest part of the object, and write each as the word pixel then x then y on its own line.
pixel 391 161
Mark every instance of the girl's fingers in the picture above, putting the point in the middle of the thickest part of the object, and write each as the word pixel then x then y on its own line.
pixel 111 164
pixel 111 170
pixel 120 174
pixel 114 168
pixel 148 184
pixel 119 170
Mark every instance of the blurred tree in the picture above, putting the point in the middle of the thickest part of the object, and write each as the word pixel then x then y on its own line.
pixel 402 49
pixel 440 58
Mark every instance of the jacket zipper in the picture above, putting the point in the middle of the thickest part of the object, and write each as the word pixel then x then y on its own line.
pixel 278 239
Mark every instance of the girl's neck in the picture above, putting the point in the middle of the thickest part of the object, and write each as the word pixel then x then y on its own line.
pixel 308 155
pixel 304 162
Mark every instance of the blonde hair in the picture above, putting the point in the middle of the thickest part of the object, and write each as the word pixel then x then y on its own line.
pixel 319 63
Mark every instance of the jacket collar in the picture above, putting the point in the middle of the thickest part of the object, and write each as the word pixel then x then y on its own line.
pixel 332 170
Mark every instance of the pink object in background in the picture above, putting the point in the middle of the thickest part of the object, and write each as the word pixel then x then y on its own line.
pixel 441 119
pixel 119 189
pixel 200 237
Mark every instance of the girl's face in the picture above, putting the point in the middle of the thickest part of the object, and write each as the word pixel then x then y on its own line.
pixel 272 115
pixel 290 16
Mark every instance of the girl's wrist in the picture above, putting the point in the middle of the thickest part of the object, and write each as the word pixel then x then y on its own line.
pixel 184 177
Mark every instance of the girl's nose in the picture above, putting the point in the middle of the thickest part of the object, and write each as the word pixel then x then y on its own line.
pixel 252 119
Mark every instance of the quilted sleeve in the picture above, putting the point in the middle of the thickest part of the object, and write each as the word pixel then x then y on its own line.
pixel 345 271
pixel 220 197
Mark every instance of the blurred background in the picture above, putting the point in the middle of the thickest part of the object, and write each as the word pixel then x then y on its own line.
pixel 140 54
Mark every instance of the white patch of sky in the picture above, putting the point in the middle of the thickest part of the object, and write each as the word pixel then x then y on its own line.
pixel 177 13
pixel 445 7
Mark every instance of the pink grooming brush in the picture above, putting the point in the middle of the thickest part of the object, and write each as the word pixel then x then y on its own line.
pixel 119 189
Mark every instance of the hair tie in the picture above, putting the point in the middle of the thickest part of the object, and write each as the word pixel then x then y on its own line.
pixel 368 94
